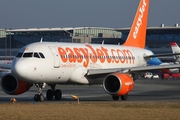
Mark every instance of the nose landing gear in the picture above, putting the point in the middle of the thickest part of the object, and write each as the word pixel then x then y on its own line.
pixel 39 96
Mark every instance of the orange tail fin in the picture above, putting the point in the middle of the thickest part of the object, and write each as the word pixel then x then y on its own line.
pixel 137 34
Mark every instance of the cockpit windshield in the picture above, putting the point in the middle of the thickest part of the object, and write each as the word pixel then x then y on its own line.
pixel 30 54
pixel 19 55
pixel 42 56
pixel 36 55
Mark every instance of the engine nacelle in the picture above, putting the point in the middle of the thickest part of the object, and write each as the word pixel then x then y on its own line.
pixel 12 86
pixel 118 84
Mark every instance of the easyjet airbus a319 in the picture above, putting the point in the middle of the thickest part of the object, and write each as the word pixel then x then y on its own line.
pixel 113 66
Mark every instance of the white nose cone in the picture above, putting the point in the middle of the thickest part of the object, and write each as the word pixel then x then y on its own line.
pixel 20 69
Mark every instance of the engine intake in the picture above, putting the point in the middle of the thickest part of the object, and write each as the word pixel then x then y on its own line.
pixel 13 86
pixel 118 84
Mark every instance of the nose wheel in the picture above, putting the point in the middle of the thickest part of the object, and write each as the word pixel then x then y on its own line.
pixel 39 96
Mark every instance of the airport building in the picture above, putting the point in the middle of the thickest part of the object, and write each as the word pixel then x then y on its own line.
pixel 17 38
pixel 2 37
pixel 158 38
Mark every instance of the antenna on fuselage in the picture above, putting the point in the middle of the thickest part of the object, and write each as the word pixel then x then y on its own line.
pixel 41 39
pixel 103 42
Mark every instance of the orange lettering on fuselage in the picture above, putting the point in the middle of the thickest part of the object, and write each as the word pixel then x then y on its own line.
pixel 90 54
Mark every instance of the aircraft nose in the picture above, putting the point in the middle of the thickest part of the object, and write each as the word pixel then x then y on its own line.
pixel 19 69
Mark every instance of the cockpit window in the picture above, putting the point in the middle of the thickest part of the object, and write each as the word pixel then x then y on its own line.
pixel 42 56
pixel 28 54
pixel 19 55
pixel 36 55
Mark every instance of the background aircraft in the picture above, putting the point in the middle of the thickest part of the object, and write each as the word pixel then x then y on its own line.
pixel 175 49
pixel 157 61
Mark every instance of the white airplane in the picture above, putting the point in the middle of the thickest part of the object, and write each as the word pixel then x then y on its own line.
pixel 175 49
pixel 112 66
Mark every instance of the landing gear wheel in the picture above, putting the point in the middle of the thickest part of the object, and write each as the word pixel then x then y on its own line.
pixel 124 97
pixel 115 97
pixel 41 97
pixel 53 92
pixel 36 97
pixel 49 94
pixel 58 94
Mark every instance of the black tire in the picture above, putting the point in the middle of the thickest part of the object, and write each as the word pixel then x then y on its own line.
pixel 115 97
pixel 124 97
pixel 41 97
pixel 36 98
pixel 49 94
pixel 58 94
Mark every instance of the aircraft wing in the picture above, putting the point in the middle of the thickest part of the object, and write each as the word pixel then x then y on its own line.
pixel 160 55
pixel 131 70
pixel 4 69
pixel 5 66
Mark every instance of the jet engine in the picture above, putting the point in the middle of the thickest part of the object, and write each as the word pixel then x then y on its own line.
pixel 12 86
pixel 118 84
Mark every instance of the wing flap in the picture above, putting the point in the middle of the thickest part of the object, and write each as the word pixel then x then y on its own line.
pixel 130 70
pixel 5 66
pixel 102 71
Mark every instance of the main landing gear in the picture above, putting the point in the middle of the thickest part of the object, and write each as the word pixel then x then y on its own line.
pixel 123 97
pixel 49 94
pixel 52 92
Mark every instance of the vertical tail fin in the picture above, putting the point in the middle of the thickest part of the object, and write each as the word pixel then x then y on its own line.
pixel 175 49
pixel 137 34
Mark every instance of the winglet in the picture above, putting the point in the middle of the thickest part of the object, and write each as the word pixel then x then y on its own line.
pixel 137 34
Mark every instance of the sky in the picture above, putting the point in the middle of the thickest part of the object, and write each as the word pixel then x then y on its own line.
pixel 19 14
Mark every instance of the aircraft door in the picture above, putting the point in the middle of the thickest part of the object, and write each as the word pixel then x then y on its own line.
pixel 55 56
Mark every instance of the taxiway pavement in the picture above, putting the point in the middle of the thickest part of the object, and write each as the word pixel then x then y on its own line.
pixel 144 90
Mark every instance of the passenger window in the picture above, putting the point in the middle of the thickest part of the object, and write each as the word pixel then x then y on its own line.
pixel 36 55
pixel 42 56
pixel 19 55
pixel 28 54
